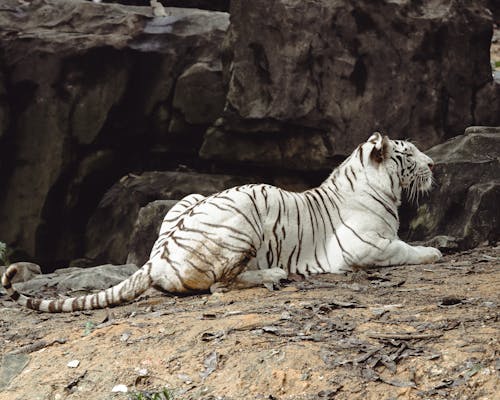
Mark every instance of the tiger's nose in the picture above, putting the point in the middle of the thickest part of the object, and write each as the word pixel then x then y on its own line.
pixel 430 165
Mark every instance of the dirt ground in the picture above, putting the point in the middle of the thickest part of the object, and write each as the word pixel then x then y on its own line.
pixel 414 332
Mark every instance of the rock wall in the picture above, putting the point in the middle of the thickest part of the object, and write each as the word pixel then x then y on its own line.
pixel 92 92
pixel 333 71
pixel 464 204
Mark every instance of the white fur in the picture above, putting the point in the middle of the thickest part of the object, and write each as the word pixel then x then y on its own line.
pixel 355 229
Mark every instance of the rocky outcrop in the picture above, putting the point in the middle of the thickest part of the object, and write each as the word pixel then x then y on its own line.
pixel 77 281
pixel 330 73
pixel 297 151
pixel 464 204
pixel 4 107
pixel 125 225
pixel 88 95
pixel 488 104
pixel 146 229
pixel 25 272
pixel 199 95
pixel 111 227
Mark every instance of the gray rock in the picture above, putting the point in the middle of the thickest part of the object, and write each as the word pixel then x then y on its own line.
pixel 464 203
pixel 199 94
pixel 182 23
pixel 482 224
pixel 110 228
pixel 94 102
pixel 70 280
pixel 4 107
pixel 78 96
pixel 11 366
pixel 308 151
pixel 25 271
pixel 486 111
pixel 345 69
pixel 146 230
pixel 482 129
pixel 132 220
pixel 81 263
pixel 478 145
pixel 91 170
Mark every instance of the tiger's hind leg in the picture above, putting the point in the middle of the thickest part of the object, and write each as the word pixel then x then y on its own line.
pixel 248 279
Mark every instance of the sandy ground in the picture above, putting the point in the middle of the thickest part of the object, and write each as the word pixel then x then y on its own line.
pixel 414 332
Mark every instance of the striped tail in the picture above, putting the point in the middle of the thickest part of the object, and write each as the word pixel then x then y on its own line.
pixel 124 292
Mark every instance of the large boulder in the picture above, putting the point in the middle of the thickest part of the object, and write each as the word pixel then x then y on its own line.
pixel 4 107
pixel 199 94
pixel 110 228
pixel 126 223
pixel 77 281
pixel 300 151
pixel 464 204
pixel 328 73
pixel 25 272
pixel 487 102
pixel 87 98
pixel 146 229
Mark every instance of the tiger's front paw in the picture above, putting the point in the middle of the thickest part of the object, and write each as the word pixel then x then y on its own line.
pixel 274 275
pixel 429 254
pixel 272 278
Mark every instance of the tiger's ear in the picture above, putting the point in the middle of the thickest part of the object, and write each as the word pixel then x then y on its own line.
pixel 381 148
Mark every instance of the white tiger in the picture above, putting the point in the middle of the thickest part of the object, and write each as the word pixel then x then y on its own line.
pixel 258 234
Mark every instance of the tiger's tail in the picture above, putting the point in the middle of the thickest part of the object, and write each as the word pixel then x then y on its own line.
pixel 121 293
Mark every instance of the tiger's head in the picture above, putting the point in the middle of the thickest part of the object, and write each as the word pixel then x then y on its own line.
pixel 402 159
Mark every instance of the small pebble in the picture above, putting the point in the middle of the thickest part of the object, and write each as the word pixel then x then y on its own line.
pixel 285 315
pixel 73 363
pixel 450 301
pixel 185 378
pixel 120 389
